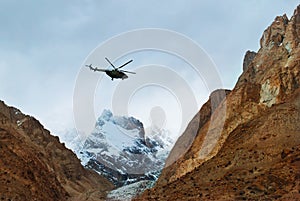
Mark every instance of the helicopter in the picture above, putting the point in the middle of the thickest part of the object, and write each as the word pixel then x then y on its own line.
pixel 115 73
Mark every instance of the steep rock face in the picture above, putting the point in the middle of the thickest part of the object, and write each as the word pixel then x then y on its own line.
pixel 249 147
pixel 35 166
pixel 185 141
pixel 276 66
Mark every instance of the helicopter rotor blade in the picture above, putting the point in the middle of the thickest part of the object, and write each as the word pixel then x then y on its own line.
pixel 125 71
pixel 110 63
pixel 125 64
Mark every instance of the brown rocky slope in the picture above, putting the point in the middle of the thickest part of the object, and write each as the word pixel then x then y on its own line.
pixel 35 166
pixel 249 148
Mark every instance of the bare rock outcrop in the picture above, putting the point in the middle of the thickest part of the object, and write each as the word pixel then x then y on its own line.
pixel 249 56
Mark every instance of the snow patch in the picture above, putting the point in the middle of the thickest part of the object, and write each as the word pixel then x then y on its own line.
pixel 127 193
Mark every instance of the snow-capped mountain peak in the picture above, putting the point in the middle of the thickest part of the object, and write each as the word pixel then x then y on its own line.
pixel 119 149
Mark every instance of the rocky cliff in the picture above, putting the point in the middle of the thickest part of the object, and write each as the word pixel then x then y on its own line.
pixel 248 147
pixel 34 165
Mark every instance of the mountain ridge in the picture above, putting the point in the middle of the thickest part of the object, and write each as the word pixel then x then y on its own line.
pixel 233 156
pixel 36 166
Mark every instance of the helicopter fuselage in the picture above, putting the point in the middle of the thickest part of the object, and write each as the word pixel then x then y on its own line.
pixel 116 74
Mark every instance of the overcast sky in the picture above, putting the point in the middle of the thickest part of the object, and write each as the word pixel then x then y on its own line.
pixel 43 44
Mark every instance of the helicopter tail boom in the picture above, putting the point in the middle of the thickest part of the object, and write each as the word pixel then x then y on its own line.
pixel 95 68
